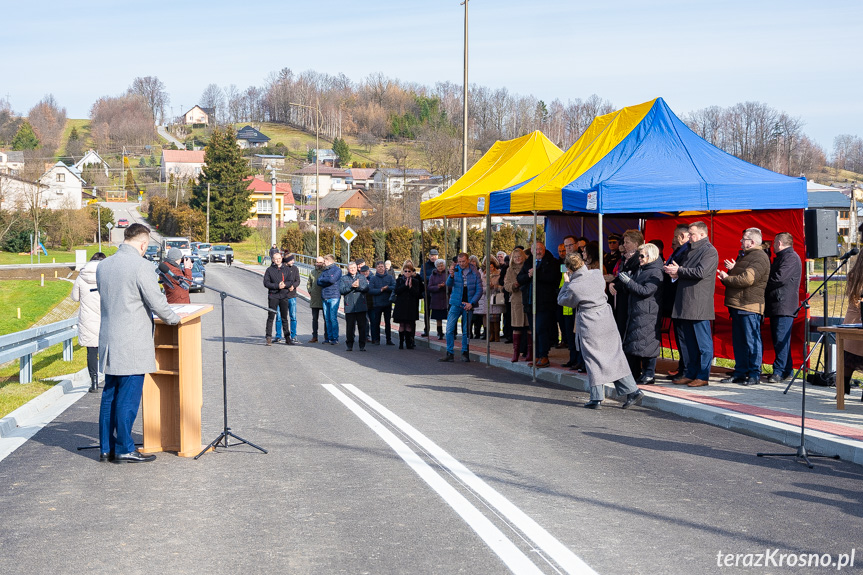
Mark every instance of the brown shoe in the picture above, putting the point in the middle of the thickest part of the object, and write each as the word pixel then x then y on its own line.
pixel 697 383
pixel 542 362
pixel 681 381
pixel 313 340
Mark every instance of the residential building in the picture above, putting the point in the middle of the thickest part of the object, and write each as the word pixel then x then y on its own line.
pixel 91 158
pixel 11 162
pixel 361 178
pixel 264 160
pixel 183 164
pixel 394 180
pixel 64 187
pixel 262 206
pixel 249 137
pixel 327 157
pixel 303 181
pixel 199 115
pixel 345 204
pixel 19 194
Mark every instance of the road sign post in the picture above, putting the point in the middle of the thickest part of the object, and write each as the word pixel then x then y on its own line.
pixel 348 235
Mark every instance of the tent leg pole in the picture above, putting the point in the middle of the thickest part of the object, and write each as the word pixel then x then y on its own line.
pixel 533 298
pixel 487 287
pixel 424 278
pixel 445 240
pixel 601 263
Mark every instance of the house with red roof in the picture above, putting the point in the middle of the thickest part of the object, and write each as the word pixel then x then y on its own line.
pixel 262 203
pixel 183 164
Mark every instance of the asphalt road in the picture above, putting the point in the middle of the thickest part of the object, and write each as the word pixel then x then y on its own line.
pixel 390 462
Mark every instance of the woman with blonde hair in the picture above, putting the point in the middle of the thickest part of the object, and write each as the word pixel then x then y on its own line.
pixel 490 285
pixel 521 339
pixel 406 312
pixel 596 333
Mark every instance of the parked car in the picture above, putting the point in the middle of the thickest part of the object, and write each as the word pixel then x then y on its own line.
pixel 199 276
pixel 218 252
pixel 153 253
pixel 177 242
pixel 203 251
pixel 122 223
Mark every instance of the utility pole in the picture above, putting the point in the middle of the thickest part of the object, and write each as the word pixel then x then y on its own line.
pixel 99 229
pixel 208 212
pixel 464 143
pixel 273 181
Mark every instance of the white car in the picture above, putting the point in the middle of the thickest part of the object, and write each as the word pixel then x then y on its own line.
pixel 203 251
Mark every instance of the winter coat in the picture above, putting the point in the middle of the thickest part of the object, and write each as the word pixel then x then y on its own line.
pixel 547 283
pixel 621 300
pixel 355 297
pixel 329 281
pixel 641 335
pixel 130 296
pixel 89 314
pixel 174 292
pixel 459 280
pixel 518 317
pixel 407 306
pixel 488 291
pixel 376 282
pixel 782 295
pixel 283 273
pixel 437 290
pixel 696 282
pixel 595 331
pixel 747 280
pixel 315 301
pixel 669 288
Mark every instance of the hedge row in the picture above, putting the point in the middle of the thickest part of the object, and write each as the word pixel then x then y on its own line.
pixel 179 221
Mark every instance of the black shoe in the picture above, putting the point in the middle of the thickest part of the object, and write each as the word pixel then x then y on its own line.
pixel 635 398
pixel 647 381
pixel 749 381
pixel 134 457
pixel 277 339
pixel 289 341
pixel 593 404
pixel 449 357
pixel 465 357
pixel 94 387
pixel 106 457
pixel 389 342
pixel 567 364
pixel 362 348
pixel 774 378
pixel 733 379
pixel 425 334
pixel 376 342
pixel 349 348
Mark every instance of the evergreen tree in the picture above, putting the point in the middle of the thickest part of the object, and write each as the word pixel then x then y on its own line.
pixel 25 138
pixel 225 169
pixel 131 189
pixel 340 147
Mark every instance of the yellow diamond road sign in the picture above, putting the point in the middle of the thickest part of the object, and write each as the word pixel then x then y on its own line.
pixel 349 234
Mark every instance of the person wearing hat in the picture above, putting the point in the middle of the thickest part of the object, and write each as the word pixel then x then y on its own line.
pixel 427 271
pixel 181 267
pixel 612 256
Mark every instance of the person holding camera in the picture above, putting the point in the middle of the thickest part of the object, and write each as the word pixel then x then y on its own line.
pixel 180 266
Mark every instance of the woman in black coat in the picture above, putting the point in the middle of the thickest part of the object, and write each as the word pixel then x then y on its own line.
pixel 408 293
pixel 628 263
pixel 642 339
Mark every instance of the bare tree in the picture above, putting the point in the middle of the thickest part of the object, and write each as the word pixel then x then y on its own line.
pixel 213 97
pixel 154 93
pixel 121 121
pixel 48 120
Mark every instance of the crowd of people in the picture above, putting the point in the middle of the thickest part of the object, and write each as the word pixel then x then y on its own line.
pixel 644 292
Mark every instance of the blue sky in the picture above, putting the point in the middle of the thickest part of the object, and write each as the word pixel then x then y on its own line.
pixel 799 57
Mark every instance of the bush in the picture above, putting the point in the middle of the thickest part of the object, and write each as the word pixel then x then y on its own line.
pixel 399 245
pixel 292 241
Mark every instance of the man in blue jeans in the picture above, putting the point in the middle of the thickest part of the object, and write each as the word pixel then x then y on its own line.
pixel 329 281
pixel 466 285
pixel 781 299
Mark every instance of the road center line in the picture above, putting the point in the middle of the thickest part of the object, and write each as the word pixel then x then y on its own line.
pixel 558 552
pixel 511 555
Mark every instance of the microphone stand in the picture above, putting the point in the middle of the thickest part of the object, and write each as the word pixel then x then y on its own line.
pixel 801 453
pixel 222 439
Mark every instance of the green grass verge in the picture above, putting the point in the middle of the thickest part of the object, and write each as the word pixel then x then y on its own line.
pixel 48 363
pixel 56 256
pixel 83 127
pixel 33 300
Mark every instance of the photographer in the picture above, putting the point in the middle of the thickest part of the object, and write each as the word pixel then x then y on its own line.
pixel 180 266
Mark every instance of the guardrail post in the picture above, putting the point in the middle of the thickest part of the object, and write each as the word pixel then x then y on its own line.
pixel 25 370
pixel 67 350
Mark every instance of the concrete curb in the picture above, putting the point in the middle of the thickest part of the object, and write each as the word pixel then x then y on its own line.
pixel 66 384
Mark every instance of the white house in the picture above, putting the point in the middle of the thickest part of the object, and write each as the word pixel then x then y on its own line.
pixel 303 181
pixel 91 158
pixel 199 115
pixel 19 194
pixel 395 180
pixel 183 164
pixel 11 162
pixel 361 178
pixel 64 187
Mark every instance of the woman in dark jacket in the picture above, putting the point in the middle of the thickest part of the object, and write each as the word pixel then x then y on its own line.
pixel 438 296
pixel 642 339
pixel 408 292
pixel 628 263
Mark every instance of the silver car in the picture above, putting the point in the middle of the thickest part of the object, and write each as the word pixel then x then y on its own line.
pixel 203 251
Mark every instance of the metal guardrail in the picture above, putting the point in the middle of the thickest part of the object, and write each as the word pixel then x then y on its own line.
pixel 21 345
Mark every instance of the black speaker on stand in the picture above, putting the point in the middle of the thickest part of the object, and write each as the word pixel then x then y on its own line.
pixel 822 242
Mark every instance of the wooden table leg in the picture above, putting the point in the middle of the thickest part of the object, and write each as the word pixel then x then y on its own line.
pixel 840 372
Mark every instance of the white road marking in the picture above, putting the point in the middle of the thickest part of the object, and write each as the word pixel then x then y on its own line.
pixel 511 555
pixel 565 558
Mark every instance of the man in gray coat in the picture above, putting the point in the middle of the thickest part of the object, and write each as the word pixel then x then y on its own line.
pixel 695 277
pixel 130 296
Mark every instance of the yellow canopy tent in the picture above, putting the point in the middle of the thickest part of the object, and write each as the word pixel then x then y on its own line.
pixel 507 163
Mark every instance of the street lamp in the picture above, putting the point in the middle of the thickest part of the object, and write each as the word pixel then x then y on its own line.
pixel 273 181
pixel 317 175
pixel 464 143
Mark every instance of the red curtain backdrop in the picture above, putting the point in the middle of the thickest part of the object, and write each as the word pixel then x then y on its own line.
pixel 725 233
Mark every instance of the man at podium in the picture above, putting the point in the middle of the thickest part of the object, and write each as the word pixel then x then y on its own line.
pixel 130 296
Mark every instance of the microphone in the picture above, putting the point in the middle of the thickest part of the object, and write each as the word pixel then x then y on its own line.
pixel 849 253
pixel 181 281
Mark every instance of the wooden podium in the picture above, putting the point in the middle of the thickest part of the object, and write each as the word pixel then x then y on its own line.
pixel 173 396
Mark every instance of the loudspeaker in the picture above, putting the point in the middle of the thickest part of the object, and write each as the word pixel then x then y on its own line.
pixel 822 235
